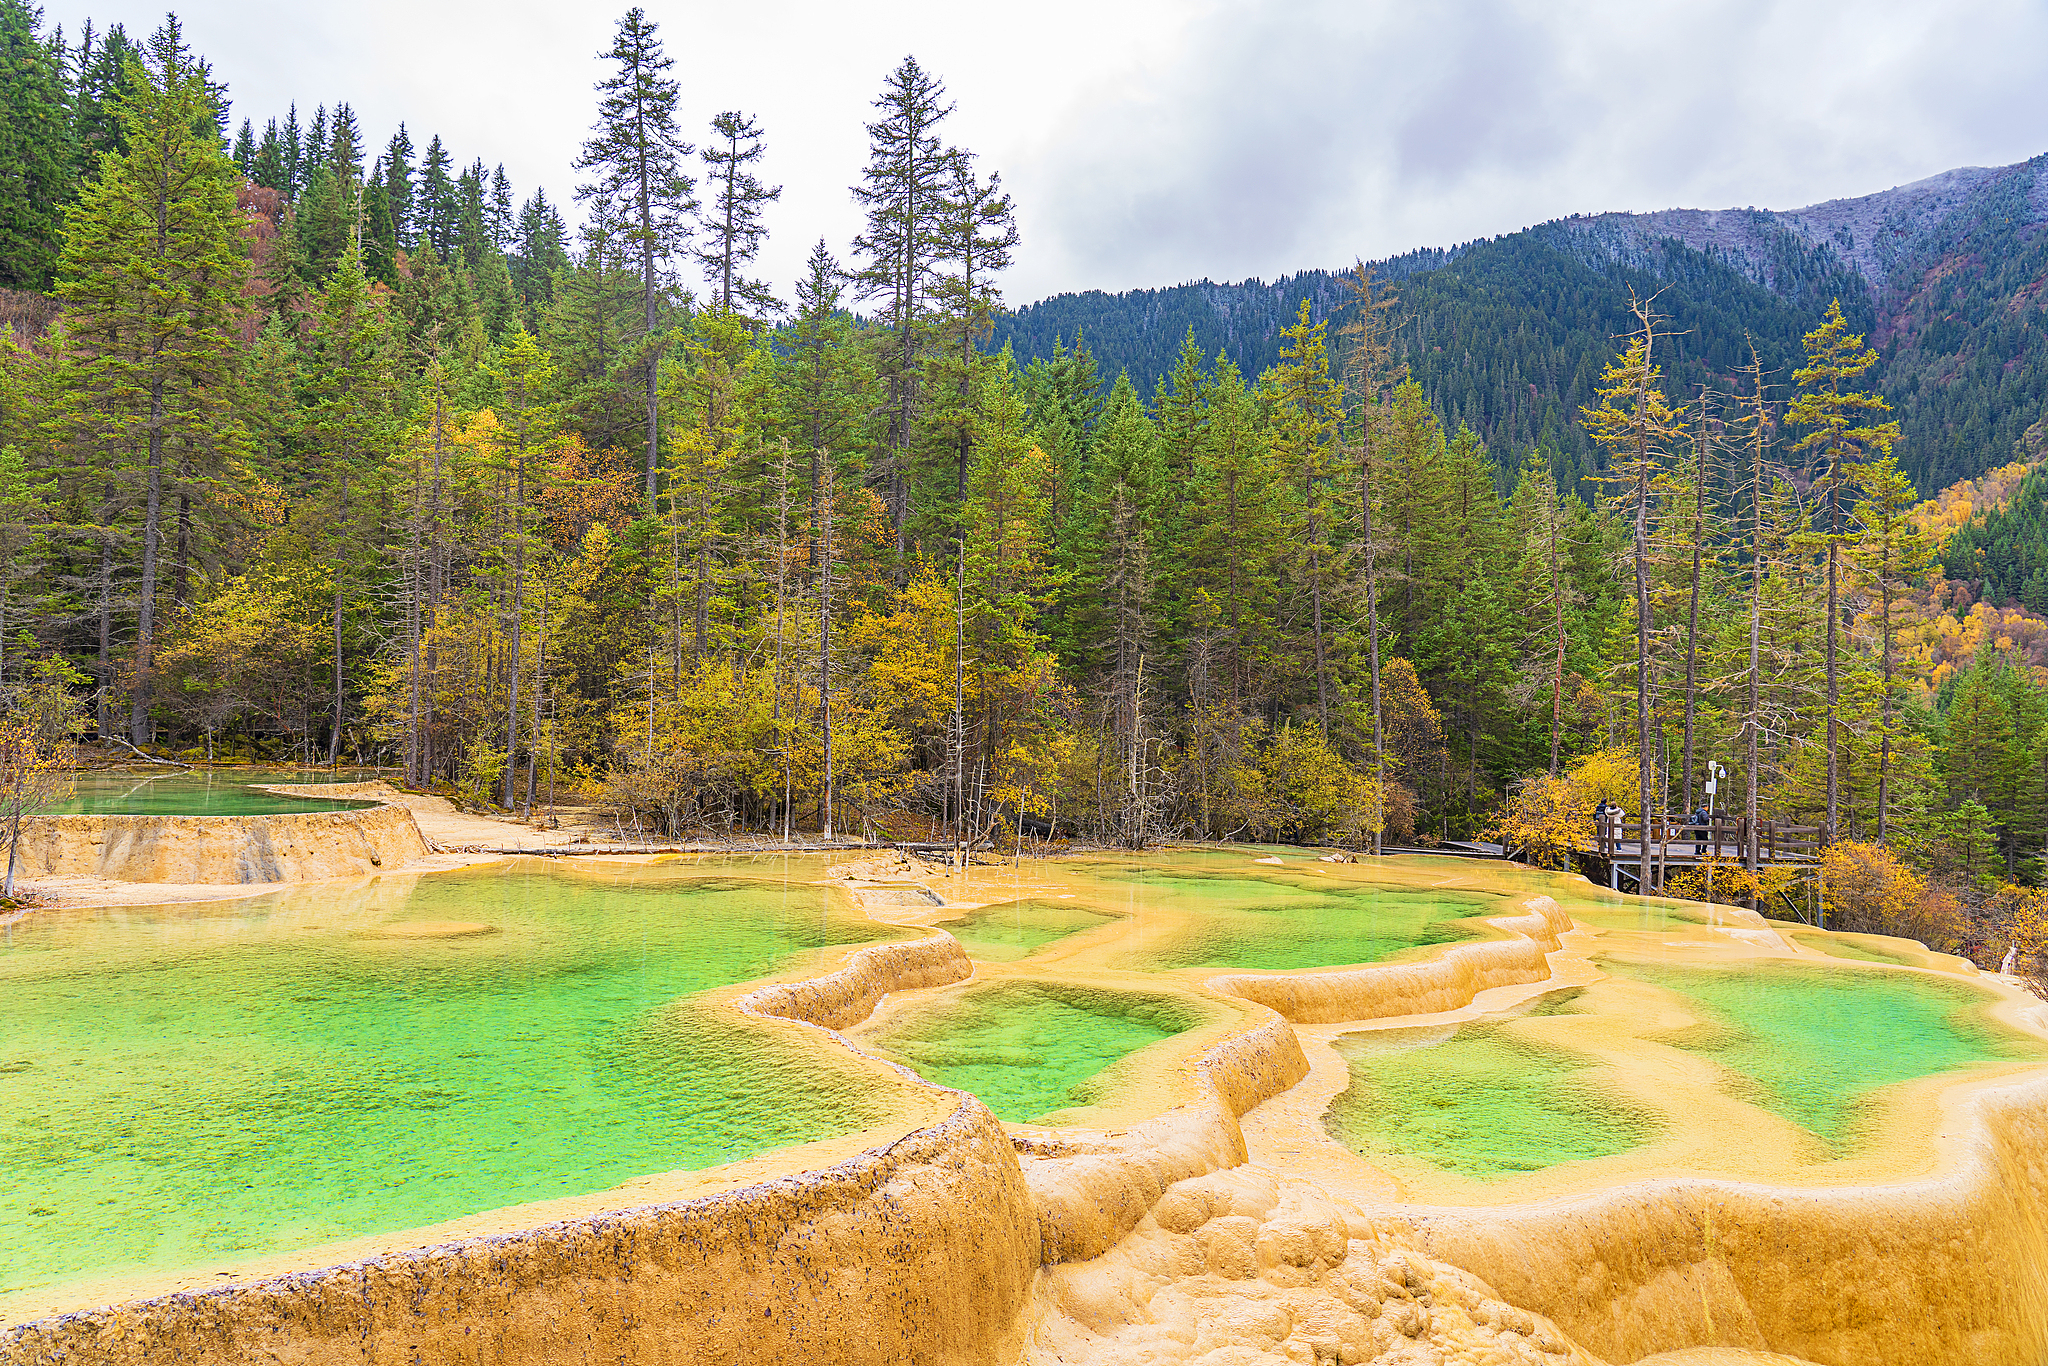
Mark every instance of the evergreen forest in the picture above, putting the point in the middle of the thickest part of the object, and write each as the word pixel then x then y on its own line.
pixel 330 450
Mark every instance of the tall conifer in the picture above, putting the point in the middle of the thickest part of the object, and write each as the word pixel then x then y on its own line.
pixel 1842 437
pixel 730 218
pixel 903 191
pixel 153 271
pixel 638 152
pixel 35 168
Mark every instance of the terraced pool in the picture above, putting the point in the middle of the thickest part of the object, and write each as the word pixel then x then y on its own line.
pixel 183 1083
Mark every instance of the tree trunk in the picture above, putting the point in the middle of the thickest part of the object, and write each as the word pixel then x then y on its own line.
pixel 1884 748
pixel 102 712
pixel 1834 611
pixel 1555 516
pixel 518 608
pixel 646 207
pixel 181 564
pixel 1642 551
pixel 959 699
pixel 1372 635
pixel 140 730
pixel 1692 629
pixel 825 642
pixel 334 742
pixel 540 681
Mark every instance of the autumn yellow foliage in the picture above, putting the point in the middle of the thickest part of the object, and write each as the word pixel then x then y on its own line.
pixel 1547 816
pixel 1865 887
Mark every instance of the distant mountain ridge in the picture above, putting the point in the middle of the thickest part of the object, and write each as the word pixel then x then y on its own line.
pixel 1947 275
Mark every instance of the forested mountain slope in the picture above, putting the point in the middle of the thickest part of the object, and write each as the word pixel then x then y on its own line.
pixel 1506 334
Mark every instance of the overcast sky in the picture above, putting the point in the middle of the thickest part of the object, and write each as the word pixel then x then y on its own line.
pixel 1149 143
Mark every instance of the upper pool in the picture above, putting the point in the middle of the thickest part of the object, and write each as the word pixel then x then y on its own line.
pixel 199 792
pixel 1221 909
pixel 181 1084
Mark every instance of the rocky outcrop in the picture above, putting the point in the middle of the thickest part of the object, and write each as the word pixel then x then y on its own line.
pixel 1941 1270
pixel 300 846
pixel 1247 1266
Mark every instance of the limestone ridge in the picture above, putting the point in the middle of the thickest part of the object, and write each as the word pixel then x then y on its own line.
pixel 1883 238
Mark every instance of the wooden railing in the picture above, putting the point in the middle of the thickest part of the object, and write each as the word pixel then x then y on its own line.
pixel 1673 837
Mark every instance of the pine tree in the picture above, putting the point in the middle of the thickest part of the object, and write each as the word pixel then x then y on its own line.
pixel 1637 427
pixel 1065 398
pixel 268 168
pixel 1231 553
pixel 1541 518
pixel 589 331
pixel 350 390
pixel 542 253
pixel 824 384
pixel 103 65
pixel 345 146
pixel 379 231
pixel 638 152
pixel 1891 554
pixel 35 147
pixel 1308 420
pixel 977 232
pixel 1840 440
pixel 397 179
pixel 1370 373
pixel 730 218
pixel 152 274
pixel 498 217
pixel 436 209
pixel 294 150
pixel 903 191
pixel 521 376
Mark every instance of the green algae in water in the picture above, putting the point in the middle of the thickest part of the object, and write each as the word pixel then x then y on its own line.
pixel 1478 1101
pixel 182 1085
pixel 1027 1049
pixel 1842 946
pixel 194 794
pixel 1016 929
pixel 1244 917
pixel 1811 1044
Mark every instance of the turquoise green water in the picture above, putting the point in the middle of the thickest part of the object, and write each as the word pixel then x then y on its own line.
pixel 204 793
pixel 1842 946
pixel 1812 1044
pixel 1634 914
pixel 1242 915
pixel 1481 1102
pixel 1028 1049
pixel 182 1084
pixel 1016 929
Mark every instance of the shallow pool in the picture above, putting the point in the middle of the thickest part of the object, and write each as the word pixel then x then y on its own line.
pixel 1028 1049
pixel 1812 1044
pixel 1483 1100
pixel 1217 909
pixel 1010 930
pixel 219 792
pixel 179 1084
pixel 1815 1046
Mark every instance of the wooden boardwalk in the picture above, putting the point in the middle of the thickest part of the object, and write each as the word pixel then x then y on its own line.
pixel 1622 852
